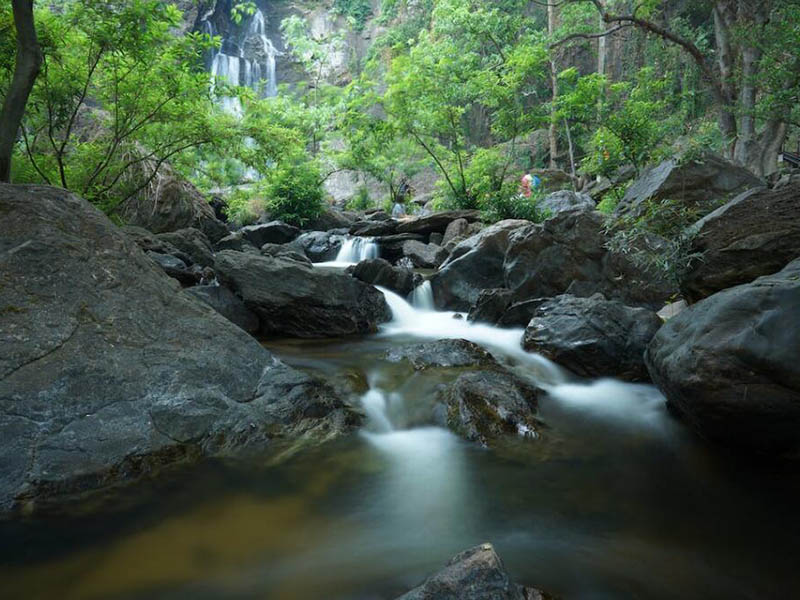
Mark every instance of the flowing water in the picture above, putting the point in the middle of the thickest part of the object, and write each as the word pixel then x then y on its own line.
pixel 613 500
pixel 353 250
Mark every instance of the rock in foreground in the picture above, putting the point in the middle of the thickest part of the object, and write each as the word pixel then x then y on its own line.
pixel 109 372
pixel 294 298
pixel 475 574
pixel 728 364
pixel 593 337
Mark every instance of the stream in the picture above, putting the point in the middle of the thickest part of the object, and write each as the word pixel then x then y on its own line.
pixel 613 500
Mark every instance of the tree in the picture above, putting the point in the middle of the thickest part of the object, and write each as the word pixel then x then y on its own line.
pixel 119 95
pixel 28 64
pixel 733 74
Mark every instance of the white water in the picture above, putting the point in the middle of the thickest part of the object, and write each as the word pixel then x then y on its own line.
pixel 246 68
pixel 422 296
pixel 353 251
pixel 635 405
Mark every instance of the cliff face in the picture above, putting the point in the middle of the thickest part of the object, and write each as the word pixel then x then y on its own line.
pixel 249 47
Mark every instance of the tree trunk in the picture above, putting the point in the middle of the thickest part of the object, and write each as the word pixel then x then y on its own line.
pixel 553 134
pixel 724 20
pixel 28 63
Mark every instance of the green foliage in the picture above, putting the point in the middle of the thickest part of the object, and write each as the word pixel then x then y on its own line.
pixel 658 241
pixel 357 11
pixel 118 95
pixel 293 192
pixel 361 201
pixel 242 9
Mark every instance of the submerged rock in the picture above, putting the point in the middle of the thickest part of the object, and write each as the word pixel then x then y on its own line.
pixel 485 405
pixel 728 364
pixel 109 372
pixel 442 353
pixel 293 298
pixel 378 271
pixel 755 234
pixel 475 574
pixel 593 337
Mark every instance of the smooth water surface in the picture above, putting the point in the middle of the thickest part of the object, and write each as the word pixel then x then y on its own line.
pixel 614 500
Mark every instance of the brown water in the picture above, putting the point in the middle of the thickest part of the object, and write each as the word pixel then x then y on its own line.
pixel 614 501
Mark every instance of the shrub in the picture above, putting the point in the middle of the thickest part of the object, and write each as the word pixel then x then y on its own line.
pixel 294 192
pixel 361 200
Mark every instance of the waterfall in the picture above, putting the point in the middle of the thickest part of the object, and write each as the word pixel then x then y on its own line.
pixel 422 296
pixel 356 249
pixel 247 63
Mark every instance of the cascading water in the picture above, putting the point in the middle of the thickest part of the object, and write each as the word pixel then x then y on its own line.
pixel 422 296
pixel 353 251
pixel 245 61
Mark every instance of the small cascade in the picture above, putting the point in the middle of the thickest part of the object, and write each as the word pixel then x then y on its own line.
pixel 422 296
pixel 356 249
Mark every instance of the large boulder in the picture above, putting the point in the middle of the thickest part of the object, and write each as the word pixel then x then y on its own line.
pixel 565 201
pixel 474 265
pixel 475 574
pixel 437 222
pixel 176 268
pixel 274 232
pixel 174 204
pixel 482 406
pixel 728 364
pixel 593 336
pixel 373 228
pixel 424 256
pixel 456 229
pixel 755 234
pixel 149 242
pixel 443 354
pixel 226 303
pixel 294 298
pixel 390 247
pixel 319 246
pixel 491 305
pixel 565 254
pixel 377 271
pixel 109 372
pixel 703 182
pixel 236 241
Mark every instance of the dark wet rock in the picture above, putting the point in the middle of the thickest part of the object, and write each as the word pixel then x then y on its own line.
pixel 175 205
pixel 191 242
pixel 109 372
pixel 176 268
pixel 274 232
pixel 593 337
pixel 705 182
pixel 424 256
pixel 377 271
pixel 284 251
pixel 485 405
pixel 148 242
pixel 319 246
pixel 226 303
pixel 474 265
pixel 475 574
pixel 437 222
pixel 568 254
pixel 373 228
pixel 391 246
pixel 756 234
pixel 455 229
pixel 330 219
pixel 491 305
pixel 565 201
pixel 436 239
pixel 293 298
pixel 728 364
pixel 377 214
pixel 236 241
pixel 442 353
pixel 519 314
